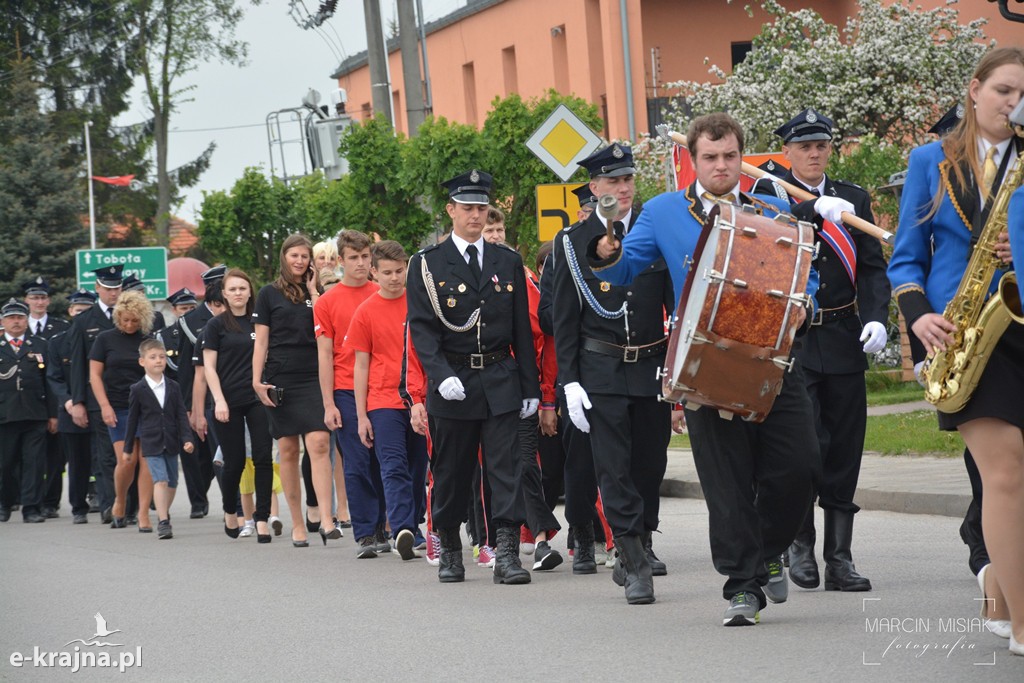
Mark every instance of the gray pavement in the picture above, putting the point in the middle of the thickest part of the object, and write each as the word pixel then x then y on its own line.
pixel 202 607
pixel 913 484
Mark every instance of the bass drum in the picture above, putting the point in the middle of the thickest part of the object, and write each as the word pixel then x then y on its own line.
pixel 731 344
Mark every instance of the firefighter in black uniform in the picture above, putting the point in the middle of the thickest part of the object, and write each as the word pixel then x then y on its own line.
pixel 610 343
pixel 182 301
pixel 75 441
pixel 853 310
pixel 85 412
pixel 42 324
pixel 197 467
pixel 27 412
pixel 470 324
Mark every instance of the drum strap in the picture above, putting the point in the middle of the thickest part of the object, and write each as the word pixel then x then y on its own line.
pixel 584 290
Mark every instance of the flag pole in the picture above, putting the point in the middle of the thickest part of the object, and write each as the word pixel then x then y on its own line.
pixel 88 170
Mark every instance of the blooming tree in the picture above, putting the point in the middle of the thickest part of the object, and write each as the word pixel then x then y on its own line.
pixel 891 71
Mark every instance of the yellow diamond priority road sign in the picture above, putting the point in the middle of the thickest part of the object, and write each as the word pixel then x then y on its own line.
pixel 561 141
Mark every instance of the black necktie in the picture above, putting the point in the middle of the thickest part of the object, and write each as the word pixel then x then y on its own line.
pixel 474 264
pixel 620 230
pixel 39 327
pixel 110 314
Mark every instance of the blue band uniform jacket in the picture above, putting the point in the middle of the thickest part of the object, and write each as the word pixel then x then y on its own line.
pixel 648 300
pixel 504 325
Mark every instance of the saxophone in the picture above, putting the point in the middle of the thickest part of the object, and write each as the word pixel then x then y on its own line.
pixel 951 376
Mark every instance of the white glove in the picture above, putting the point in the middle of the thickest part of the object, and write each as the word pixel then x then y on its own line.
pixel 576 400
pixel 831 208
pixel 452 390
pixel 529 407
pixel 875 335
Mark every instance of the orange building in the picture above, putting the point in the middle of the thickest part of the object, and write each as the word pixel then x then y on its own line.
pixel 494 48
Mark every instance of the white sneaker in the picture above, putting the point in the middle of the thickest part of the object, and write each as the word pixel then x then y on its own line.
pixel 1015 647
pixel 248 529
pixel 607 553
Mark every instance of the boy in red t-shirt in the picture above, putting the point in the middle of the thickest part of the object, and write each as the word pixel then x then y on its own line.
pixel 332 314
pixel 377 336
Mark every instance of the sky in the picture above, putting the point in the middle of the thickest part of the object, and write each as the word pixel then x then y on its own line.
pixel 284 62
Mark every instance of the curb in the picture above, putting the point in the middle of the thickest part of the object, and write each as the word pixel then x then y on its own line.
pixel 906 502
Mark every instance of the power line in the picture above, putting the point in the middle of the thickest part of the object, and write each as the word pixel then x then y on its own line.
pixel 208 130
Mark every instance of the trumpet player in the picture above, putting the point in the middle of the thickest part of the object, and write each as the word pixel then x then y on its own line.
pixel 954 209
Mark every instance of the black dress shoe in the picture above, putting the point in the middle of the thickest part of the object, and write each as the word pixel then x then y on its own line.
pixel 90 500
pixel 311 527
pixel 80 519
pixel 118 523
pixel 34 518
pixel 107 516
pixel 50 513
pixel 131 520
pixel 5 514
pixel 196 514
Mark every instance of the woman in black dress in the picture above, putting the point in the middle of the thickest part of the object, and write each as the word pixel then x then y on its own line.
pixel 284 365
pixel 950 188
pixel 228 342
pixel 113 369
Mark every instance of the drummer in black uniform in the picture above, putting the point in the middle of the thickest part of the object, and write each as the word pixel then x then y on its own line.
pixel 610 342
pixel 27 412
pixel 470 324
pixel 197 467
pixel 853 309
pixel 85 412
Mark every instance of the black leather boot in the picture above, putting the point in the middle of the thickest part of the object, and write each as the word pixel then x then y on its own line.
pixel 970 532
pixel 633 571
pixel 449 566
pixel 583 561
pixel 840 574
pixel 803 568
pixel 658 567
pixel 507 566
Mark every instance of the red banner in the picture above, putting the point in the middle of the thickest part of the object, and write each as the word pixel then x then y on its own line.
pixel 119 180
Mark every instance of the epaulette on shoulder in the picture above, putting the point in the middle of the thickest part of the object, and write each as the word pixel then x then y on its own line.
pixel 847 183
pixel 426 250
pixel 505 246
pixel 570 228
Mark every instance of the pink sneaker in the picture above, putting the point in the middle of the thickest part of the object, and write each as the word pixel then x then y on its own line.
pixel 486 558
pixel 433 549
pixel 526 541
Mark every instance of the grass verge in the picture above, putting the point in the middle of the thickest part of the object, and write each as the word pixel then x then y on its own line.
pixel 903 434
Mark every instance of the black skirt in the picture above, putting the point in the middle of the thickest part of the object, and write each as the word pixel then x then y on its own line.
pixel 1000 392
pixel 301 410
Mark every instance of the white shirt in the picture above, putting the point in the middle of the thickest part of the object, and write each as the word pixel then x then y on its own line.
pixel 461 245
pixel 35 324
pixel 819 188
pixel 159 388
pixel 105 308
pixel 707 204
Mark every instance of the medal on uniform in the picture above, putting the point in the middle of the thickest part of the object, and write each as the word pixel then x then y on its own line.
pixel 462 287
pixel 509 287
pixel 497 288
pixel 441 283
pixel 606 287
pixel 451 302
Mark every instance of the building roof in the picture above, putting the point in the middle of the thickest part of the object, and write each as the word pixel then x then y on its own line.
pixel 359 60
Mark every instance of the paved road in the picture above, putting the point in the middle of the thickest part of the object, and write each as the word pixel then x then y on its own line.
pixel 202 607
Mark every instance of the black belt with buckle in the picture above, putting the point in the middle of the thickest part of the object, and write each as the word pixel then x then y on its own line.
pixel 628 354
pixel 477 361
pixel 830 315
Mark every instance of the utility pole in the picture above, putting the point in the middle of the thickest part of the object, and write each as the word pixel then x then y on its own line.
pixel 377 57
pixel 410 66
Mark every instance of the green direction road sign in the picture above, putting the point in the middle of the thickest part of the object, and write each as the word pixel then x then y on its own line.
pixel 149 264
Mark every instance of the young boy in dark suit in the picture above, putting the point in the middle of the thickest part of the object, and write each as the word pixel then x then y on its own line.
pixel 156 412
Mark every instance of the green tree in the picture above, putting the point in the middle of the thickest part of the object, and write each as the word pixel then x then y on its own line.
pixel 170 39
pixel 40 209
pixel 377 194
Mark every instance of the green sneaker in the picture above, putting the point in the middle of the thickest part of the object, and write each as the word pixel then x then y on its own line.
pixel 777 589
pixel 743 610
